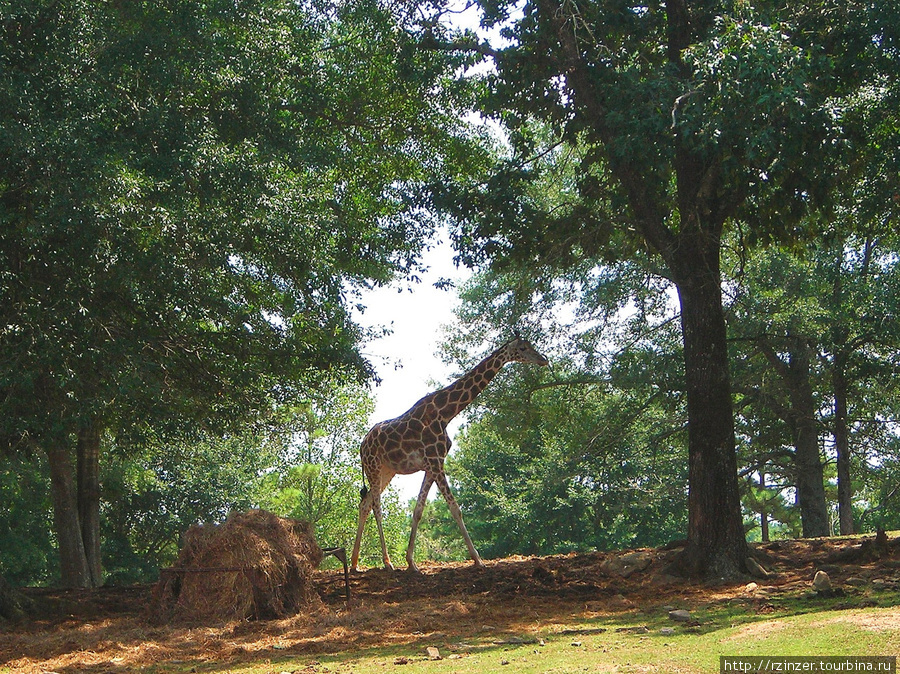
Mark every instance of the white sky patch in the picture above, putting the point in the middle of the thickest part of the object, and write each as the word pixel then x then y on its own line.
pixel 406 360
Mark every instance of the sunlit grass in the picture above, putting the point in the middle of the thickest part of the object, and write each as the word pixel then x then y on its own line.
pixel 636 641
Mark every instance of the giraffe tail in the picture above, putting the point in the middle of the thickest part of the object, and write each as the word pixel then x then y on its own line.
pixel 363 492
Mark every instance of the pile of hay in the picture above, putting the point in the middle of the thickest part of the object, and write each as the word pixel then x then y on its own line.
pixel 255 565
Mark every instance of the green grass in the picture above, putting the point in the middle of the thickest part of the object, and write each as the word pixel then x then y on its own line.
pixel 788 626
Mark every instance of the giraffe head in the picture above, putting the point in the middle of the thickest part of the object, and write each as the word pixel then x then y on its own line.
pixel 520 350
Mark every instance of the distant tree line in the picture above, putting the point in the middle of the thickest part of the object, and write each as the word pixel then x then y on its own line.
pixel 305 466
pixel 591 455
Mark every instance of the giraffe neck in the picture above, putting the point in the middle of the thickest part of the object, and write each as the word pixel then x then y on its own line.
pixel 455 398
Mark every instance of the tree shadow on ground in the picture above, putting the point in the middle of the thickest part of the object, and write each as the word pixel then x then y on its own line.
pixel 396 614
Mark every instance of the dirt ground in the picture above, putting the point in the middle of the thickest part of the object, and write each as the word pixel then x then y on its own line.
pixel 110 631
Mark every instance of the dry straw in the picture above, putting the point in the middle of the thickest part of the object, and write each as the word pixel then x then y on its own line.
pixel 255 565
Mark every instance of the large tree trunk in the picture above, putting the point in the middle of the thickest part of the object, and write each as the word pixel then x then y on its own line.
pixel 807 462
pixel 842 445
pixel 716 543
pixel 88 447
pixel 841 430
pixel 810 480
pixel 800 416
pixel 73 561
pixel 690 245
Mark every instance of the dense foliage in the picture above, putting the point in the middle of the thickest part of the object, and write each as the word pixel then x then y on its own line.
pixel 590 470
pixel 190 195
pixel 655 128
pixel 307 467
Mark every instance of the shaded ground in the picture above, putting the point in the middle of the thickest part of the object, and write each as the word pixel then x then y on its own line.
pixel 108 630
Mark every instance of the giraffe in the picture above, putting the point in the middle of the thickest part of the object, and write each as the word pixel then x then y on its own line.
pixel 417 440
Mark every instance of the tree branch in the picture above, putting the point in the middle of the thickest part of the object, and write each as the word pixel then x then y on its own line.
pixel 648 218
pixel 468 44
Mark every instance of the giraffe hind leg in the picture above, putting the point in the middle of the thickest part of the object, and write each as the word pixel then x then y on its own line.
pixel 370 501
pixel 365 507
pixel 384 552
pixel 417 515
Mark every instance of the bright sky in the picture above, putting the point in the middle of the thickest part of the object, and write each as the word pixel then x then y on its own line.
pixel 406 360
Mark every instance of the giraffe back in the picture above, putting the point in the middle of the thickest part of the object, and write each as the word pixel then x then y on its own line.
pixel 406 444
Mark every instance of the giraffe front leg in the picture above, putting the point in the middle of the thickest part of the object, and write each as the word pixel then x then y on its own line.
pixel 444 487
pixel 417 515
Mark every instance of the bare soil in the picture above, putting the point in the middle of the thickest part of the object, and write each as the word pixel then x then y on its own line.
pixel 110 630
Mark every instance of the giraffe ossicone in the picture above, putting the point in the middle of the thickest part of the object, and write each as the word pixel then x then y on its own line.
pixel 417 441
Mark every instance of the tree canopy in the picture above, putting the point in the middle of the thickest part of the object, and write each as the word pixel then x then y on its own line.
pixel 190 194
pixel 189 189
pixel 655 127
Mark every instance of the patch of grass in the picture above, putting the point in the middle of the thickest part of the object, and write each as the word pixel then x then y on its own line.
pixel 865 623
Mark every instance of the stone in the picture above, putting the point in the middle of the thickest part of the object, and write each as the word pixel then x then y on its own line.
pixel 855 581
pixel 680 615
pixel 433 653
pixel 755 568
pixel 667 631
pixel 751 587
pixel 664 579
pixel 627 564
pixel 821 582
pixel 618 601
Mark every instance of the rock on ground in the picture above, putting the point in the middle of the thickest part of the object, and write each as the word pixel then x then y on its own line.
pixel 626 565
pixel 680 615
pixel 821 581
